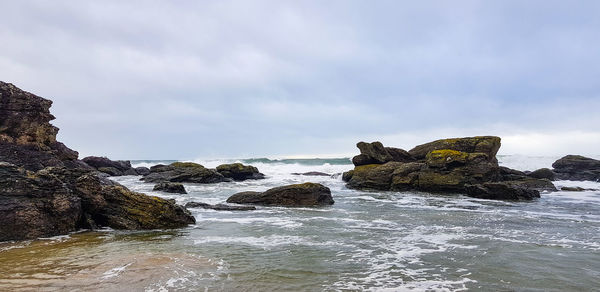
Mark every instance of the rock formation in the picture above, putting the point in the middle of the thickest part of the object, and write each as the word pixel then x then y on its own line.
pixel 306 194
pixel 460 165
pixel 169 187
pixel 183 172
pixel 45 190
pixel 114 168
pixel 239 172
pixel 576 167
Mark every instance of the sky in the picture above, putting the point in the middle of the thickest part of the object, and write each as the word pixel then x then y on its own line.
pixel 239 79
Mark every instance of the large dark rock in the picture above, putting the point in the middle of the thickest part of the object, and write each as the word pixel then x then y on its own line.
pixel 111 167
pixel 142 170
pixel 46 191
pixel 306 194
pixel 488 145
pixel 57 200
pixel 543 173
pixel 219 207
pixel 169 187
pixel 449 171
pixel 183 172
pixel 576 167
pixel 239 172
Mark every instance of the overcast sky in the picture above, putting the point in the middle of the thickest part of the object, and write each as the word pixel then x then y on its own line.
pixel 234 79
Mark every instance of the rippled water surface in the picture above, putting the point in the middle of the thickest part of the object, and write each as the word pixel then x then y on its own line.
pixel 365 241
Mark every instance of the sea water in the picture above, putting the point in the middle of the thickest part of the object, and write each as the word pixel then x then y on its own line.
pixel 374 241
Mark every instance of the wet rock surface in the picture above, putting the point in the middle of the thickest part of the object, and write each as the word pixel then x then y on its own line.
pixel 306 194
pixel 577 167
pixel 184 172
pixel 239 172
pixel 169 187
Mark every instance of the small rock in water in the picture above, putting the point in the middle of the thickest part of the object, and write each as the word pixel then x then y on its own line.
pixel 312 173
pixel 219 207
pixel 169 187
pixel 572 189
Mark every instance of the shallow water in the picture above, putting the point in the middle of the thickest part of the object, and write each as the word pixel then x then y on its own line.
pixel 365 241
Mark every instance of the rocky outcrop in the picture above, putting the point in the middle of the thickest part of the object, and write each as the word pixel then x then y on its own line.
pixel 188 172
pixel 464 168
pixel 46 191
pixel 169 187
pixel 27 138
pixel 239 172
pixel 375 153
pixel 306 194
pixel 576 167
pixel 57 200
pixel 219 207
pixel 113 167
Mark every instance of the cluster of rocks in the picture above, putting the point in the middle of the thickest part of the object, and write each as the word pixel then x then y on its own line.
pixel 114 167
pixel 461 165
pixel 190 172
pixel 45 190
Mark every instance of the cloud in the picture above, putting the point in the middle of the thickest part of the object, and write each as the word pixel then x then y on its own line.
pixel 158 79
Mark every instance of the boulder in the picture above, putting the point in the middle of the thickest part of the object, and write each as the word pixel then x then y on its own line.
pixel 297 195
pixel 239 172
pixel 488 145
pixel 347 175
pixel 501 191
pixel 219 207
pixel 542 173
pixel 375 153
pixel 110 167
pixel 169 187
pixel 142 170
pixel 576 167
pixel 183 172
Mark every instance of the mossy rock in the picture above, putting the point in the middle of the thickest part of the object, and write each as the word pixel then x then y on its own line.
pixel 306 194
pixel 239 172
pixel 373 176
pixel 446 158
pixel 186 165
pixel 480 144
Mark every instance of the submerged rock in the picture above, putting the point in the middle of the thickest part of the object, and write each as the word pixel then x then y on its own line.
pixel 576 167
pixel 169 187
pixel 312 173
pixel 239 172
pixel 46 191
pixel 572 189
pixel 467 162
pixel 219 207
pixel 306 194
pixel 183 172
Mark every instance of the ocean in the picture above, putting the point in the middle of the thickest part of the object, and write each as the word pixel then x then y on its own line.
pixel 366 241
